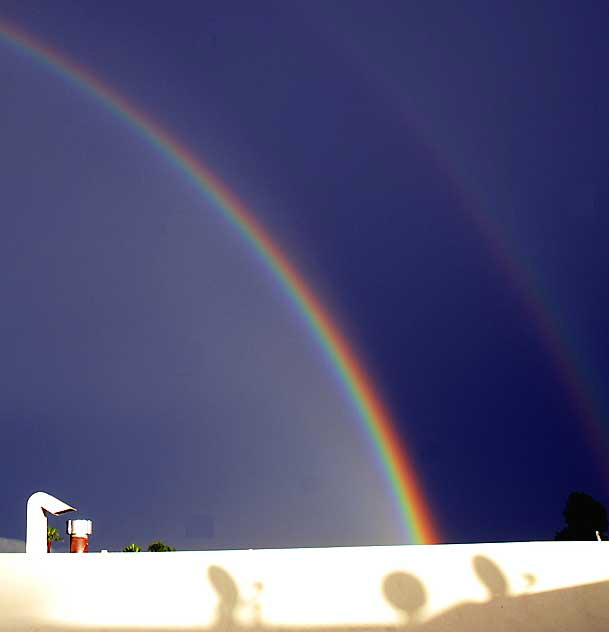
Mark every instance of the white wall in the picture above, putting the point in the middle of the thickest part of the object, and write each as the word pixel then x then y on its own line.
pixel 498 587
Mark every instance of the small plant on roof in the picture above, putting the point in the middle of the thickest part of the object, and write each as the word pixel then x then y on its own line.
pixel 158 547
pixel 132 548
pixel 52 536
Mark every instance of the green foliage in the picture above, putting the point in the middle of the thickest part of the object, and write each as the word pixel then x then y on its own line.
pixel 132 548
pixel 155 547
pixel 53 535
pixel 158 547
pixel 584 517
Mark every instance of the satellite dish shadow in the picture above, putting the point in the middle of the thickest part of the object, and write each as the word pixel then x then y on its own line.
pixel 406 594
pixel 491 576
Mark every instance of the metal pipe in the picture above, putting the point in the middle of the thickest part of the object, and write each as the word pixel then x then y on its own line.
pixel 79 532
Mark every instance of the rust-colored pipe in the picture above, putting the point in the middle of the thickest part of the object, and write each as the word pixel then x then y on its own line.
pixel 79 545
pixel 79 532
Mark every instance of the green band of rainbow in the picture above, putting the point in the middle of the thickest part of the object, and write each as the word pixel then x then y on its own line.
pixel 398 467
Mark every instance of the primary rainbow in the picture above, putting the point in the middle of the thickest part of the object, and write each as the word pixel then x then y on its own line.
pixel 398 466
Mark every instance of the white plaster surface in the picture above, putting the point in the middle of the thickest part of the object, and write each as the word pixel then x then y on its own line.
pixel 527 586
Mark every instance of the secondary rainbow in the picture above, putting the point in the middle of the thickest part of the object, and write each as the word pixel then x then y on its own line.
pixel 405 487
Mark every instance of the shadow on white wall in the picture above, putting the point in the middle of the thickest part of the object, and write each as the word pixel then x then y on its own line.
pixel 446 588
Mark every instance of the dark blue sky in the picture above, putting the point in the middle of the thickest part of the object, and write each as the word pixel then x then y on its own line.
pixel 154 374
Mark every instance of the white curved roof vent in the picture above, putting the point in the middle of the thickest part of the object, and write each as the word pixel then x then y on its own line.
pixel 39 505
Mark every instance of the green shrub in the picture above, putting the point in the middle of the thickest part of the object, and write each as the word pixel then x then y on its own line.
pixel 132 548
pixel 158 547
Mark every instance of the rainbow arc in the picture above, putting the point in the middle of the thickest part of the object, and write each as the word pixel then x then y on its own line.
pixel 404 485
